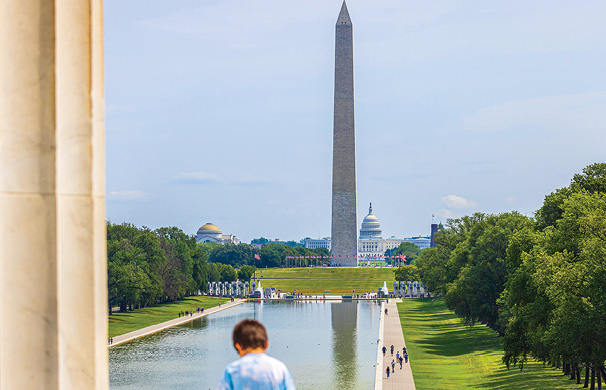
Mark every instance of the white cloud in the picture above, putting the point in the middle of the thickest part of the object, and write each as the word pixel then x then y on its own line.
pixel 444 213
pixel 125 196
pixel 457 202
pixel 196 178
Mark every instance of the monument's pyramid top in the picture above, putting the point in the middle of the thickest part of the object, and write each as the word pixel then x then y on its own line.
pixel 344 15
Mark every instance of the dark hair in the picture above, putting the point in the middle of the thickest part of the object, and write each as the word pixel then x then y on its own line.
pixel 250 334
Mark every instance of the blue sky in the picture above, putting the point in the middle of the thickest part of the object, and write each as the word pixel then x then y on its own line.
pixel 221 110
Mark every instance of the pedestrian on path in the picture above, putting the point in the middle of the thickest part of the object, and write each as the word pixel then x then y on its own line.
pixel 385 311
pixel 406 357
pixel 398 355
pixel 392 349
pixel 387 371
pixel 393 366
pixel 400 360
pixel 384 350
pixel 403 350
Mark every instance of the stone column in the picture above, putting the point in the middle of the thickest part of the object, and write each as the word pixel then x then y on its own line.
pixel 53 323
pixel 28 256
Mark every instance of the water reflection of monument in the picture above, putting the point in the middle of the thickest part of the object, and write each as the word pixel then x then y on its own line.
pixel 344 317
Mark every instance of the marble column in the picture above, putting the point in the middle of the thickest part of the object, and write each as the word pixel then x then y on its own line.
pixel 53 317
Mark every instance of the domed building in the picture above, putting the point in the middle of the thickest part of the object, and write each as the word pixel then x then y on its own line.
pixel 371 228
pixel 371 244
pixel 211 233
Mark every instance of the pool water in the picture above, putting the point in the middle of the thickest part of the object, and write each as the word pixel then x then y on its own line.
pixel 325 345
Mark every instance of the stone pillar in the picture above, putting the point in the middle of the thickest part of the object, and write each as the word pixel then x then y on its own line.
pixel 53 317
pixel 344 235
pixel 28 256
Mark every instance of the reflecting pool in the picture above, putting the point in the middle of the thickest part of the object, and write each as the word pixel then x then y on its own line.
pixel 326 345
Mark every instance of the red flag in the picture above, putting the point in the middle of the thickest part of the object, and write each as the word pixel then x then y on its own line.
pixel 257 256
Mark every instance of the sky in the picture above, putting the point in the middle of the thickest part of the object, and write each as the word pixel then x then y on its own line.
pixel 221 110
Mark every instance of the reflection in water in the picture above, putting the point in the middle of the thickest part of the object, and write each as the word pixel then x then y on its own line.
pixel 344 324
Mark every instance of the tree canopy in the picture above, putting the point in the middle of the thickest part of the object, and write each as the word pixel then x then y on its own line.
pixel 540 283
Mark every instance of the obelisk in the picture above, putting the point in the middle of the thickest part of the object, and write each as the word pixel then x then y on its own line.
pixel 344 238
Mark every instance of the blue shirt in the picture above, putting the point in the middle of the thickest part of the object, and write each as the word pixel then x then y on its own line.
pixel 256 371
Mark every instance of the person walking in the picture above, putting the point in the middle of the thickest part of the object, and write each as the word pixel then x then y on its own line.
pixel 400 360
pixel 406 357
pixel 397 355
pixel 392 349
pixel 384 350
pixel 393 365
pixel 387 371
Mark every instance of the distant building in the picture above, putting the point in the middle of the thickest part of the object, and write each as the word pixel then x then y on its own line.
pixel 434 230
pixel 422 242
pixel 371 243
pixel 371 228
pixel 211 233
pixel 315 243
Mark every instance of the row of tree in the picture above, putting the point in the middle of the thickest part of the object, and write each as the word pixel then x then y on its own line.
pixel 148 266
pixel 540 283
pixel 270 255
pixel 408 249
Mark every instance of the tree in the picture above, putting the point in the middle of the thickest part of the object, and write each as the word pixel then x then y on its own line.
pixel 556 296
pixel 259 241
pixel 407 273
pixel 227 272
pixel 408 249
pixel 246 272
pixel 474 293
pixel 234 255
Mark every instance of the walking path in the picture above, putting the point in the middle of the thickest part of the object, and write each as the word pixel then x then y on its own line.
pixel 169 324
pixel 392 335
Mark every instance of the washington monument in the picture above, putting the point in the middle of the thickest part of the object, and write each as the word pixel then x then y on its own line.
pixel 344 238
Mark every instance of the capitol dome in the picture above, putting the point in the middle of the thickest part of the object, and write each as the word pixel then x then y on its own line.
pixel 371 228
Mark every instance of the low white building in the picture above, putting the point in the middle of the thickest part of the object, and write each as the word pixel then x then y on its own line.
pixel 315 243
pixel 211 233
pixel 422 242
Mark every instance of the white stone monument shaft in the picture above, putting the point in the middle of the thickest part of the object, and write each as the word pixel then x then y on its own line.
pixel 344 239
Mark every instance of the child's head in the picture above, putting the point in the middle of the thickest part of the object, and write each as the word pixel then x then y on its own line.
pixel 250 335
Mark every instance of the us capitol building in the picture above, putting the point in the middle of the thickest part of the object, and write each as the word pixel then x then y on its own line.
pixel 371 243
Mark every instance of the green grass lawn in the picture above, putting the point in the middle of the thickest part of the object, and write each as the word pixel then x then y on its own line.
pixel 321 272
pixel 373 262
pixel 317 280
pixel 445 354
pixel 120 323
